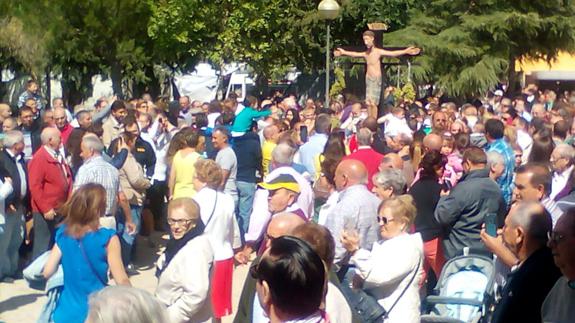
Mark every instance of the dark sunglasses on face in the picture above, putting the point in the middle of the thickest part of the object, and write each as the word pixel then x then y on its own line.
pixel 384 220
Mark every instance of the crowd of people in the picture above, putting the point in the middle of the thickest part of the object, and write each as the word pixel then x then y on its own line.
pixel 317 200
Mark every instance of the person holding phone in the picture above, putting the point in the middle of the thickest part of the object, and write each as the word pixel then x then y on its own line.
pixel 464 208
pixel 532 184
pixel 525 234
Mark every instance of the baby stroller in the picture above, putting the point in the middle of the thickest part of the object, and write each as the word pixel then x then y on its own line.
pixel 464 290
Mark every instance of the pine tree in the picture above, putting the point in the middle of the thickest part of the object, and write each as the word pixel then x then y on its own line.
pixel 468 46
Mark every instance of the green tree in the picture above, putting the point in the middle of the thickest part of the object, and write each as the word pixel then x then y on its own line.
pixel 468 46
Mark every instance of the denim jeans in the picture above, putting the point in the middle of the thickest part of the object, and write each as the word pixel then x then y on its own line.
pixel 10 241
pixel 246 192
pixel 128 240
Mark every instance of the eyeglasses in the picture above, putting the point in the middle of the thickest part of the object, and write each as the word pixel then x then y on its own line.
pixel 180 222
pixel 384 220
pixel 555 237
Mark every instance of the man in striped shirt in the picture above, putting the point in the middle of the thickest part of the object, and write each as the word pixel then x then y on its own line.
pixel 96 170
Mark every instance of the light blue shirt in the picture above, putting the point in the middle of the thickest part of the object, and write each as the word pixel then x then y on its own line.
pixel 310 150
pixel 505 182
pixel 356 209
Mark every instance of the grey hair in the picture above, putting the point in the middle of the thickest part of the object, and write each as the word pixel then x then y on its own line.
pixel 49 133
pixel 391 178
pixel 283 154
pixel 495 158
pixel 11 138
pixel 82 114
pixel 93 142
pixel 364 137
pixel 566 151
pixel 403 139
pixel 123 304
pixel 534 219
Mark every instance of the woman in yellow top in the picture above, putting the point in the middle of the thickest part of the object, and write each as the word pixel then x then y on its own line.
pixel 181 181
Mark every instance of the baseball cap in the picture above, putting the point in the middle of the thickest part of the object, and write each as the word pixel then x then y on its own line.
pixel 498 93
pixel 282 181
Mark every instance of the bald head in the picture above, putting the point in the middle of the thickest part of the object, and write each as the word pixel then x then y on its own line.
pixel 350 172
pixel 60 117
pixel 5 111
pixel 51 137
pixel 271 132
pixel 283 224
pixel 533 219
pixel 433 142
pixel 391 160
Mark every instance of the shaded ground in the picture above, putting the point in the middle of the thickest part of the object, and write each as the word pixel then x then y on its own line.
pixel 21 304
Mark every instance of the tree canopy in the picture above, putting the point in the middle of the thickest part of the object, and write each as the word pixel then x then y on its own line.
pixel 468 45
pixel 471 45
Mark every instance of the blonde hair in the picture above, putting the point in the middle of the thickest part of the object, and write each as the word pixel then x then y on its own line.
pixel 191 208
pixel 403 208
pixel 510 134
pixel 209 172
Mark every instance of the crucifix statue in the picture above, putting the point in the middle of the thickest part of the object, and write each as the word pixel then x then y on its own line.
pixel 372 56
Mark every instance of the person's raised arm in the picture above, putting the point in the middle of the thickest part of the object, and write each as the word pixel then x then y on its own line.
pixel 396 53
pixel 342 52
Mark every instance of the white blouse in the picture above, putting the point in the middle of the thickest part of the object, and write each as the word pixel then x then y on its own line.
pixel 388 269
pixel 184 285
pixel 220 228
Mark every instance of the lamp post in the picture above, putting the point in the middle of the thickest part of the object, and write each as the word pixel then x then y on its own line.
pixel 328 10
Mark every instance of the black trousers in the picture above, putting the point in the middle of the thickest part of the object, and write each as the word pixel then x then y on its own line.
pixel 156 196
pixel 43 234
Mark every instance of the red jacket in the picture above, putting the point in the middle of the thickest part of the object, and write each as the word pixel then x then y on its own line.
pixel 65 133
pixel 49 185
pixel 370 158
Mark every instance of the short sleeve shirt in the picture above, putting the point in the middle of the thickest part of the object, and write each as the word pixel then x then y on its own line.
pixel 227 160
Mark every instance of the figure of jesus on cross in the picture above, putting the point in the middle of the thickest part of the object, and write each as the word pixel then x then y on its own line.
pixel 372 58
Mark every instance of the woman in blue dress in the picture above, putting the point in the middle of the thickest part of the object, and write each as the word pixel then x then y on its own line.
pixel 85 251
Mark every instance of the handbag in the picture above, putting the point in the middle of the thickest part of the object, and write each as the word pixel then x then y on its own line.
pixel 81 245
pixel 365 305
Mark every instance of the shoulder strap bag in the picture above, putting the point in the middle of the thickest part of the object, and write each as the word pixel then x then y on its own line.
pixel 365 305
pixel 90 264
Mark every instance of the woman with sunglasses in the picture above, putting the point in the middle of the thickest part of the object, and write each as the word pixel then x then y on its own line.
pixel 184 268
pixel 391 272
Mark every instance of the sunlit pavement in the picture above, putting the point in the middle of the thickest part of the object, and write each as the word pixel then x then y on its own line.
pixel 21 304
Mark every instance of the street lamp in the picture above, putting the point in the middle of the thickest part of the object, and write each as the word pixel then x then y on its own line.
pixel 328 10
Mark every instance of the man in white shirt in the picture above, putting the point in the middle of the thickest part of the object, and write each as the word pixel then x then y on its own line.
pixel 524 140
pixel 562 163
